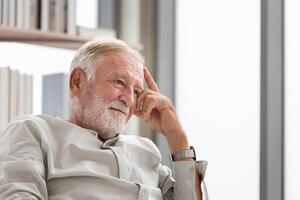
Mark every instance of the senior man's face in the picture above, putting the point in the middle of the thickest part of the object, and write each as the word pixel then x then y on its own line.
pixel 110 99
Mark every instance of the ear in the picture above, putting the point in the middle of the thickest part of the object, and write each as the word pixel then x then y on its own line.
pixel 77 81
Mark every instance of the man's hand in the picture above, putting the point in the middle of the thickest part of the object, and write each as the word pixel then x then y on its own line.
pixel 158 111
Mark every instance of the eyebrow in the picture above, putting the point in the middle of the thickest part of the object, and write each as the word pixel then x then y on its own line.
pixel 122 75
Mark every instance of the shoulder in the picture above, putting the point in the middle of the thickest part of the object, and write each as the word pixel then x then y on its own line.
pixel 30 124
pixel 141 143
pixel 31 120
pixel 22 138
pixel 28 121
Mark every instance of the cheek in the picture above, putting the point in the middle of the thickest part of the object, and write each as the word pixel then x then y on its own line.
pixel 109 94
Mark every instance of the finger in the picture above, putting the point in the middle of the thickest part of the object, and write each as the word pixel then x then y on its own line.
pixel 142 96
pixel 150 81
pixel 149 104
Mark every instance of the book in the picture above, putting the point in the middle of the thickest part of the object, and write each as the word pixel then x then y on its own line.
pixel 12 13
pixel 31 14
pixel 71 17
pixel 1 11
pixel 5 12
pixel 25 94
pixel 20 14
pixel 28 93
pixel 45 15
pixel 60 16
pixel 14 94
pixel 51 14
pixel 21 95
pixel 54 15
pixel 4 96
pixel 55 95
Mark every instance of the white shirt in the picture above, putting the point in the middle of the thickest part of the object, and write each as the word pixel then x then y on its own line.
pixel 43 157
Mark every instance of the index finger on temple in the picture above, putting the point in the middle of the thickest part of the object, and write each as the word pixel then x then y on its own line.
pixel 149 80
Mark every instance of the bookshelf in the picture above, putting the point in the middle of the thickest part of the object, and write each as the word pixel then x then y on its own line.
pixel 52 39
pixel 42 22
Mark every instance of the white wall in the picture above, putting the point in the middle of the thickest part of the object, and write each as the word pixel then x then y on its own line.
pixel 292 99
pixel 35 60
pixel 218 91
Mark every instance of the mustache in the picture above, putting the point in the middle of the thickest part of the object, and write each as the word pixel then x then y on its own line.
pixel 120 106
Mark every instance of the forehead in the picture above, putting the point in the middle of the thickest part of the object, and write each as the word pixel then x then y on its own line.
pixel 120 65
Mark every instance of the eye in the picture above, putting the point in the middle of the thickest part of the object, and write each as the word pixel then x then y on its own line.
pixel 120 82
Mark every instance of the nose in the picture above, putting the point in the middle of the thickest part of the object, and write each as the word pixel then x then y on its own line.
pixel 127 96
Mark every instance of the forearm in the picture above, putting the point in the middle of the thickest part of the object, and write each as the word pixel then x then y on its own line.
pixel 178 141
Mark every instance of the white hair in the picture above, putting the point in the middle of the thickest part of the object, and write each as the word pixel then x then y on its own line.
pixel 89 55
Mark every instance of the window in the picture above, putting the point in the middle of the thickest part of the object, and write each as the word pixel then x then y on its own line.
pixel 292 99
pixel 218 91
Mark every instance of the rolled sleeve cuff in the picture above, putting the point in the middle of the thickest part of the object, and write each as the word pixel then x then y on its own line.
pixel 186 168
pixel 184 174
pixel 201 168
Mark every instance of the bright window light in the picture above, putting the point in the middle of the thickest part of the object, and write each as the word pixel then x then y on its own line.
pixel 218 91
pixel 86 13
pixel 292 99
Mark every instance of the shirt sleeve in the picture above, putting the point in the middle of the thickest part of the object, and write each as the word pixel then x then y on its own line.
pixel 181 185
pixel 22 171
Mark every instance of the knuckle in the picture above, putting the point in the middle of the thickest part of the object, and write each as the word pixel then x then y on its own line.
pixel 149 98
pixel 152 98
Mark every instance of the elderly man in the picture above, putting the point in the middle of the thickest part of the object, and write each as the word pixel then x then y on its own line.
pixel 85 157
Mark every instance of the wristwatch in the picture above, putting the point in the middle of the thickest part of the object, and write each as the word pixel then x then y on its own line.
pixel 190 153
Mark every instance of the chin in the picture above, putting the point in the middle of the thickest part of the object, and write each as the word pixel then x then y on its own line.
pixel 111 130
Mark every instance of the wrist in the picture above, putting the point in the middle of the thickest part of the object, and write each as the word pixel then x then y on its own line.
pixel 177 141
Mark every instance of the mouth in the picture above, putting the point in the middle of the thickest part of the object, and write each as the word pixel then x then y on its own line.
pixel 118 110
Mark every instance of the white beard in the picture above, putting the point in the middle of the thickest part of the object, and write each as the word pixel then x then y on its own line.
pixel 99 117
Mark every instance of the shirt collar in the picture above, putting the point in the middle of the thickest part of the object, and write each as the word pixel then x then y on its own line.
pixel 111 141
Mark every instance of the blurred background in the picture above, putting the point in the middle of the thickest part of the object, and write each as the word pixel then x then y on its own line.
pixel 231 68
